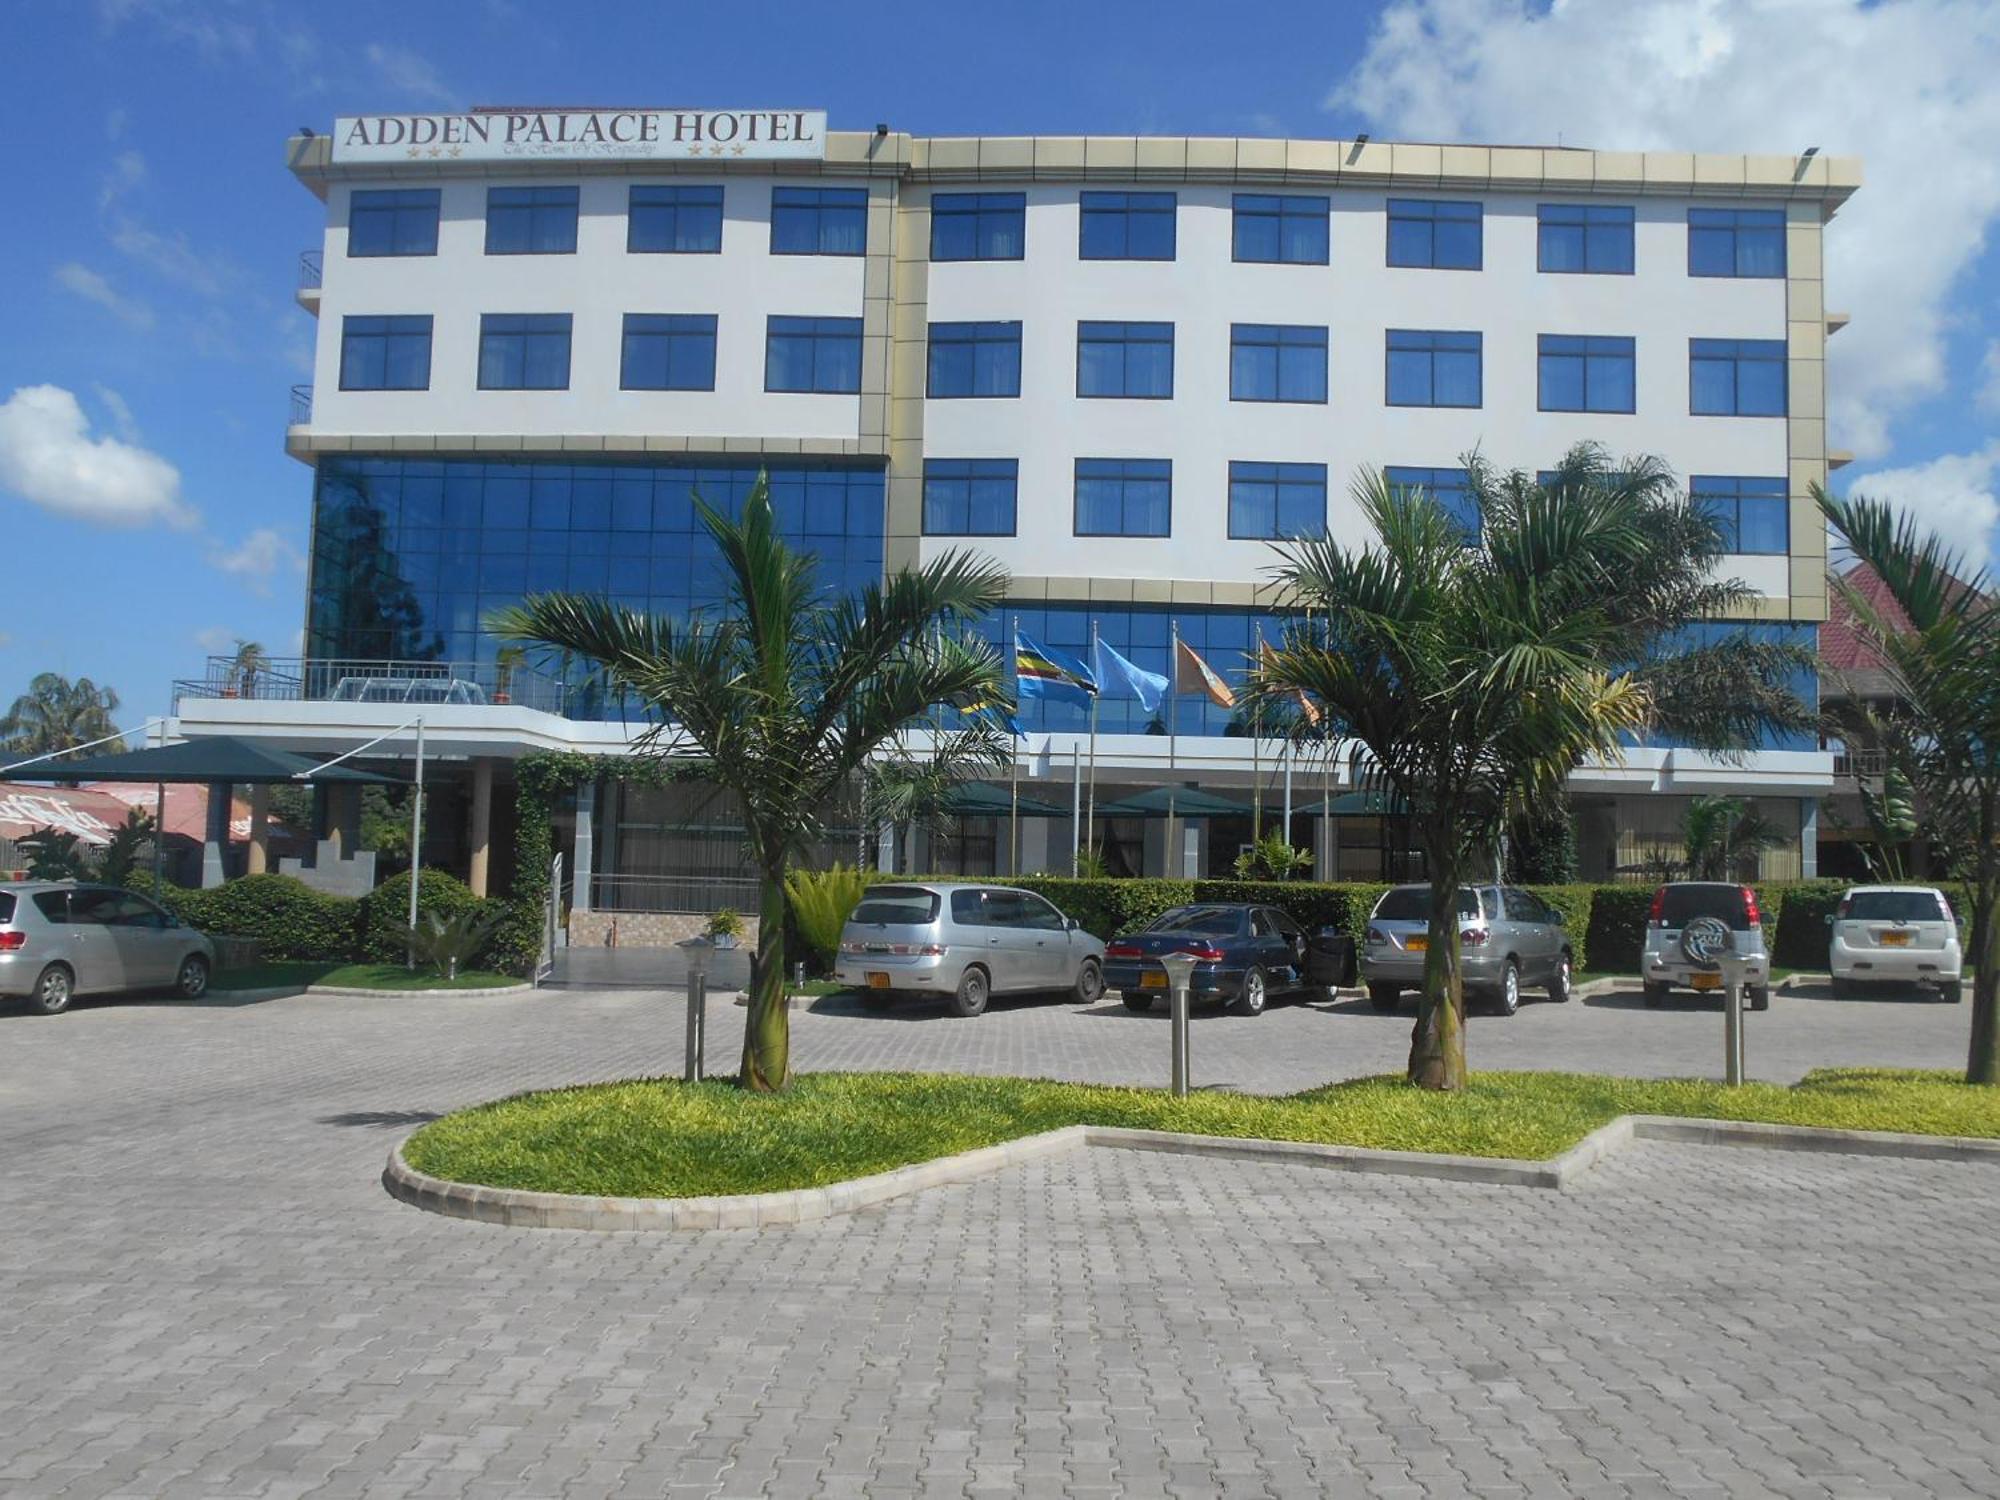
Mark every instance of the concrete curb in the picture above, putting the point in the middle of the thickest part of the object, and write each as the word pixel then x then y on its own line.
pixel 357 992
pixel 808 1205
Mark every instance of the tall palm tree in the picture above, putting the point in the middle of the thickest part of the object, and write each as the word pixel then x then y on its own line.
pixel 57 714
pixel 1471 672
pixel 1946 672
pixel 782 697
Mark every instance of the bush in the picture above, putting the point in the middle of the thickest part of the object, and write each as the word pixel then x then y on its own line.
pixel 821 902
pixel 287 917
pixel 1616 937
pixel 1574 903
pixel 385 926
pixel 1313 904
pixel 1105 908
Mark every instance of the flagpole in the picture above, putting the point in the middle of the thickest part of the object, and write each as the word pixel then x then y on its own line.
pixel 1257 750
pixel 1090 816
pixel 1014 766
pixel 1287 753
pixel 1075 806
pixel 1173 734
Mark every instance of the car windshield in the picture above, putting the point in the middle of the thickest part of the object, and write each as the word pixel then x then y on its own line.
pixel 1205 921
pixel 1684 903
pixel 1893 906
pixel 1412 903
pixel 897 906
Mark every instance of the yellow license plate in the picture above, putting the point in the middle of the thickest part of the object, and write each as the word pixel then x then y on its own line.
pixel 1152 981
pixel 1707 981
pixel 1895 940
pixel 1417 945
pixel 878 981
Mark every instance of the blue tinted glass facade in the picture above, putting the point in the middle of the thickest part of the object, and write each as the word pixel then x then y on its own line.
pixel 1133 360
pixel 819 221
pixel 1583 239
pixel 531 221
pixel 1736 377
pixel 1586 373
pixel 1436 235
pixel 1277 362
pixel 1126 226
pixel 1804 681
pixel 1450 488
pixel 1746 242
pixel 1434 369
pixel 1752 514
pixel 973 359
pixel 979 226
pixel 666 220
pixel 1279 228
pixel 393 221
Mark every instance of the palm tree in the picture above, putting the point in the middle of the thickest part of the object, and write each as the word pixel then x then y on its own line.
pixel 1721 831
pixel 244 666
pixel 56 714
pixel 1946 671
pixel 781 698
pixel 1471 673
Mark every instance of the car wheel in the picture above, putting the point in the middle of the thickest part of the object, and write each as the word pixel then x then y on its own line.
pixel 1656 995
pixel 1759 996
pixel 1508 1000
pixel 53 991
pixel 192 982
pixel 1562 984
pixel 1250 998
pixel 971 997
pixel 1952 993
pixel 1089 986
pixel 1136 1001
pixel 1384 996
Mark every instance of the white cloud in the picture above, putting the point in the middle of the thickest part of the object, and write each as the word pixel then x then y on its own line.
pixel 1958 496
pixel 128 170
pixel 121 413
pixel 1989 369
pixel 49 458
pixel 258 558
pixel 1906 86
pixel 83 282
pixel 409 74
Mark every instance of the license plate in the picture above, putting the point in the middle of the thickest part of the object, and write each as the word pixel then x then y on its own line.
pixel 878 981
pixel 1152 981
pixel 1416 945
pixel 1707 981
pixel 1895 940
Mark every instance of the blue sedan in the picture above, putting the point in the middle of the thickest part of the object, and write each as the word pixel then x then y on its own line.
pixel 1243 954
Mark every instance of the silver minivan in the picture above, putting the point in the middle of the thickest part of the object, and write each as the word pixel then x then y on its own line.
pixel 1508 939
pixel 965 943
pixel 59 940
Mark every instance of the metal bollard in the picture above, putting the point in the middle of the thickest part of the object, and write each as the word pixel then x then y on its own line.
pixel 1179 967
pixel 697 1027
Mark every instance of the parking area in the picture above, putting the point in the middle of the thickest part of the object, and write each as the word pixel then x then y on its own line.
pixel 211 1296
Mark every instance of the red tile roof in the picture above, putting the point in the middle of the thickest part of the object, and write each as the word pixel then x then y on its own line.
pixel 1841 643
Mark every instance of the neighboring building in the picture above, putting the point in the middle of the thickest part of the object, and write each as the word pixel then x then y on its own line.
pixel 1120 366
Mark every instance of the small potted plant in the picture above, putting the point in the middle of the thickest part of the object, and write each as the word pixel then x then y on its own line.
pixel 725 928
pixel 506 663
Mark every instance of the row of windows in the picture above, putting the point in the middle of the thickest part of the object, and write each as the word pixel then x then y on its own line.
pixel 1285 229
pixel 1132 361
pixel 1276 501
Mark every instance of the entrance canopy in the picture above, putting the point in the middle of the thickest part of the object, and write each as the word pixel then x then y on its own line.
pixel 214 758
pixel 978 799
pixel 1186 802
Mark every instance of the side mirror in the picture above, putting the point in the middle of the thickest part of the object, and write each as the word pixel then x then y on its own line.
pixel 1829 919
pixel 1070 924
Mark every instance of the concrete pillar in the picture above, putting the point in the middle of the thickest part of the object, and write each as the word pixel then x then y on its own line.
pixel 480 838
pixel 258 860
pixel 1035 846
pixel 1156 855
pixel 885 849
pixel 343 818
pixel 215 838
pixel 581 851
pixel 1808 838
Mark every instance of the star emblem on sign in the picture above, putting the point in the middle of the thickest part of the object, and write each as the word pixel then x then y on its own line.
pixel 435 151
pixel 456 150
pixel 694 151
pixel 415 152
pixel 715 151
pixel 737 149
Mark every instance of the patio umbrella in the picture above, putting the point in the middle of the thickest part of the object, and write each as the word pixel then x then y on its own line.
pixel 1182 801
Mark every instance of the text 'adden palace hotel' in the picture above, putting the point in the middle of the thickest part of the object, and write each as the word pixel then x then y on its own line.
pixel 1121 366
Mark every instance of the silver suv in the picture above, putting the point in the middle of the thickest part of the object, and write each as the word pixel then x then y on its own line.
pixel 965 943
pixel 59 940
pixel 1507 939
pixel 1665 967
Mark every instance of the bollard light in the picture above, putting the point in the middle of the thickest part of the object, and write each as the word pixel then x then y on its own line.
pixel 698 951
pixel 1180 968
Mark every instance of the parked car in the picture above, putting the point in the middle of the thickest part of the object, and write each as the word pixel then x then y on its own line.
pixel 59 940
pixel 1244 954
pixel 965 943
pixel 1895 934
pixel 1664 967
pixel 1507 940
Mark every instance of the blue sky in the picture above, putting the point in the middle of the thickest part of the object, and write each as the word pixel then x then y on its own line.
pixel 149 337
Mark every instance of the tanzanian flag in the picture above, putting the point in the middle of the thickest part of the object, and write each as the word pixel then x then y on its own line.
pixel 1045 674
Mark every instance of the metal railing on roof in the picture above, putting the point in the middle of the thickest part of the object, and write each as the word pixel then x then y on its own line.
pixel 302 405
pixel 309 270
pixel 348 680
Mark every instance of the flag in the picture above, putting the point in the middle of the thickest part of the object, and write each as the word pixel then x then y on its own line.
pixel 1297 695
pixel 1045 674
pixel 1122 677
pixel 1193 675
pixel 1000 714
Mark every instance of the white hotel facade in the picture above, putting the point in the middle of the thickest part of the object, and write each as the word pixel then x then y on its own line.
pixel 1120 366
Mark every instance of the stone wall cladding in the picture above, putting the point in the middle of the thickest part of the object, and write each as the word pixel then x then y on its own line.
pixel 644 929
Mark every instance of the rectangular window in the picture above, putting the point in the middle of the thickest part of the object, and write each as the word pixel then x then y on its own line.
pixel 1432 233
pixel 1124 496
pixel 668 352
pixel 1753 515
pixel 385 354
pixel 819 221
pixel 1736 377
pixel 1268 502
pixel 400 221
pixel 1276 362
pixel 524 351
pixel 979 226
pixel 1433 368
pixel 1134 360
pixel 1127 226
pixel 1586 374
pixel 674 221
pixel 1448 487
pixel 1592 239
pixel 820 355
pixel 1277 228
pixel 531 221
pixel 974 359
pixel 1736 242
pixel 970 496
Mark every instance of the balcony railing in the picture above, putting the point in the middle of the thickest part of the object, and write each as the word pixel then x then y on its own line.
pixel 302 405
pixel 1857 763
pixel 696 894
pixel 397 683
pixel 309 271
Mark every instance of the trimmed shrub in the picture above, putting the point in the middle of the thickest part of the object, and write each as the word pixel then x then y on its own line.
pixel 1574 904
pixel 1617 933
pixel 1313 904
pixel 287 917
pixel 1106 908
pixel 385 928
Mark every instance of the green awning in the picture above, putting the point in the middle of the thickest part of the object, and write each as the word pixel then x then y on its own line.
pixel 1185 801
pixel 212 758
pixel 980 799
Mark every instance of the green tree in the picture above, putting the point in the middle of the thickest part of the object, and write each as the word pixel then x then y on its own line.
pixel 1720 832
pixel 1945 668
pixel 781 696
pixel 57 714
pixel 1472 672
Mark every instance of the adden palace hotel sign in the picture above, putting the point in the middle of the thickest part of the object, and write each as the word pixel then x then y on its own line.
pixel 583 135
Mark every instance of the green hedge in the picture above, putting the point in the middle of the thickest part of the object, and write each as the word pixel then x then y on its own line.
pixel 289 919
pixel 386 921
pixel 1574 903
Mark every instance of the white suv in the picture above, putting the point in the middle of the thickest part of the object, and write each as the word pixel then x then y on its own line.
pixel 1665 967
pixel 1895 934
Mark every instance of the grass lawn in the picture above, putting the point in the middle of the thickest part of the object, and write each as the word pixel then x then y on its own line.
pixel 665 1139
pixel 272 975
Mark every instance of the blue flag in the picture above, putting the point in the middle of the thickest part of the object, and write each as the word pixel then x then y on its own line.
pixel 1122 678
pixel 1045 674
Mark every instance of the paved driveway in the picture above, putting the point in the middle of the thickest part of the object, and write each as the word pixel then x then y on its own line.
pixel 209 1295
